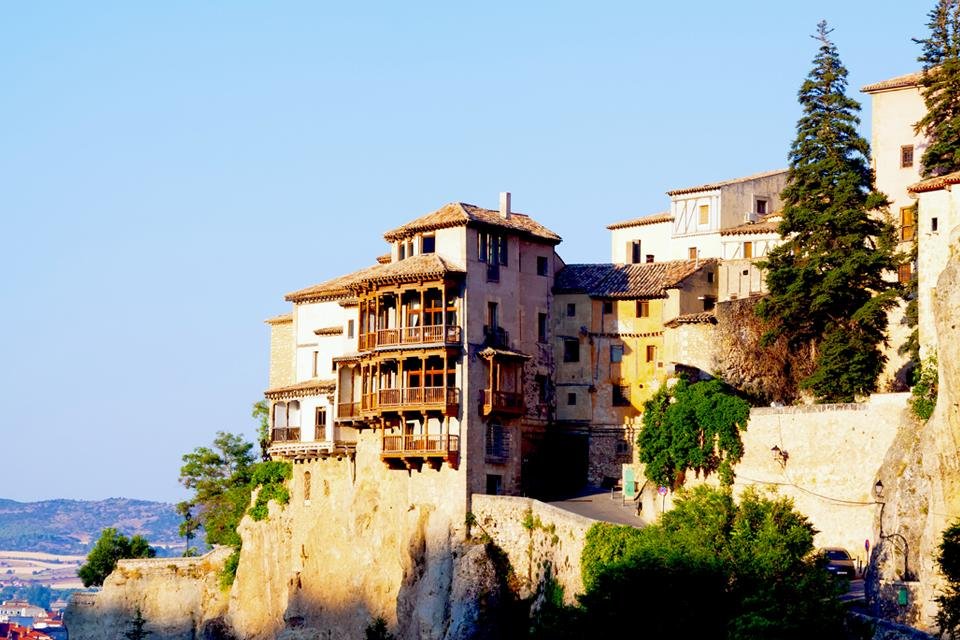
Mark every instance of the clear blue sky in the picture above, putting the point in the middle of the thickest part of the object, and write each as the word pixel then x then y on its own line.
pixel 168 170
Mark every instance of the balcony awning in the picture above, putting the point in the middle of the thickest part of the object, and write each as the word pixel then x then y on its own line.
pixel 302 389
pixel 506 354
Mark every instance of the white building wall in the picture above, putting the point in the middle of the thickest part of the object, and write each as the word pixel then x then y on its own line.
pixel 308 318
pixel 655 240
pixel 738 201
pixel 894 114
pixel 932 255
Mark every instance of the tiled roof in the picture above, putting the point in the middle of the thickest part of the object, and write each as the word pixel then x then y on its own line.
pixel 384 259
pixel 281 319
pixel 900 82
pixel 329 331
pixel 301 389
pixel 647 280
pixel 935 184
pixel 704 317
pixel 716 185
pixel 766 224
pixel 335 289
pixel 639 222
pixel 428 266
pixel 457 214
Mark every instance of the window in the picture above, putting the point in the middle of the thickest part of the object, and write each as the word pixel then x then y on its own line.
pixel 541 327
pixel 649 257
pixel 316 361
pixel 306 486
pixel 543 389
pixel 571 350
pixel 350 328
pixel 933 225
pixel 571 399
pixel 704 214
pixel 907 223
pixel 761 206
pixel 692 253
pixel 293 413
pixel 428 244
pixel 571 309
pixel 651 353
pixel 904 273
pixel 542 265
pixel 623 449
pixel 494 484
pixel 621 395
pixel 402 251
pixel 747 249
pixel 320 424
pixel 643 308
pixel 616 353
pixel 709 302
pixel 635 252
pixel 493 320
pixel 906 156
pixel 607 307
pixel 492 248
pixel 710 276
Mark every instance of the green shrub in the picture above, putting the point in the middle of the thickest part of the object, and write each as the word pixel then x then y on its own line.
pixel 925 390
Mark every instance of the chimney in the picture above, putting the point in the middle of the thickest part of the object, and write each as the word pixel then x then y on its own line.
pixel 505 204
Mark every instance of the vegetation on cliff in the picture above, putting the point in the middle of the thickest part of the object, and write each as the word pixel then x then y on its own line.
pixel 923 398
pixel 692 427
pixel 112 546
pixel 940 86
pixel 710 568
pixel 948 561
pixel 828 293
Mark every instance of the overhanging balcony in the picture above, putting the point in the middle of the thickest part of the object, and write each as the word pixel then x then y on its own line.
pixel 503 402
pixel 438 334
pixel 445 399
pixel 411 450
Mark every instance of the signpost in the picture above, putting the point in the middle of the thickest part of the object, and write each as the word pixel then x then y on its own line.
pixel 662 490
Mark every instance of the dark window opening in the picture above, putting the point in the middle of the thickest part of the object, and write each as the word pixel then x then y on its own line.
pixel 643 308
pixel 541 265
pixel 571 350
pixel 607 307
pixel 635 254
pixel 906 156
pixel 428 244
pixel 541 327
pixel 616 353
pixel 649 257
pixel 621 395
pixel 571 309
pixel 571 399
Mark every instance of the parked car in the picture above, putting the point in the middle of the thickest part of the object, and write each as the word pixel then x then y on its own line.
pixel 839 562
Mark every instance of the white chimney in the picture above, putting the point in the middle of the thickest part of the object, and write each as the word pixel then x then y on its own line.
pixel 505 204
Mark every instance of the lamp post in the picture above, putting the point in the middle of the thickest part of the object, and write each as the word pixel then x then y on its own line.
pixel 878 492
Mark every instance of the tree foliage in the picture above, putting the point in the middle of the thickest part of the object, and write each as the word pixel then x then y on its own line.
pixel 923 399
pixel 940 86
pixel 948 561
pixel 261 413
pixel 710 568
pixel 692 427
pixel 826 280
pixel 110 547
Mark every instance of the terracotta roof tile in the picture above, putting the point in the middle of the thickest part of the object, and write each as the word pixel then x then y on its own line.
pixel 716 185
pixel 329 331
pixel 935 184
pixel 704 317
pixel 301 389
pixel 457 214
pixel 424 265
pixel 645 220
pixel 900 82
pixel 281 319
pixel 334 289
pixel 765 224
pixel 384 259
pixel 648 280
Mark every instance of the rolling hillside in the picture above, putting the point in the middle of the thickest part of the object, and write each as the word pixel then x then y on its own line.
pixel 68 527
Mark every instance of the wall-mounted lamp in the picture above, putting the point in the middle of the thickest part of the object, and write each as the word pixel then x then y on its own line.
pixel 878 489
pixel 780 456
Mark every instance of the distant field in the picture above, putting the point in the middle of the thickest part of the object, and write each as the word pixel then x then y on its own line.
pixel 57 571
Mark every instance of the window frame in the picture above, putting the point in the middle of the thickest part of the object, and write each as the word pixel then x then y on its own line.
pixel 906 156
pixel 571 350
pixel 643 308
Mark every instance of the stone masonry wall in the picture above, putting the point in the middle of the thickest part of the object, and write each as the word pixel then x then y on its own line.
pixel 539 540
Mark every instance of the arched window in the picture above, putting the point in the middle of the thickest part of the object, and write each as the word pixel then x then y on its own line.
pixel 293 414
pixel 306 486
pixel 280 415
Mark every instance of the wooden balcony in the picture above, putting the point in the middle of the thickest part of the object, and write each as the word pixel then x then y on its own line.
pixel 445 399
pixel 297 451
pixel 425 335
pixel 502 402
pixel 348 411
pixel 413 450
pixel 285 434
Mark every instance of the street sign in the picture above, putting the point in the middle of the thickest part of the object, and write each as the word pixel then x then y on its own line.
pixel 662 490
pixel 866 545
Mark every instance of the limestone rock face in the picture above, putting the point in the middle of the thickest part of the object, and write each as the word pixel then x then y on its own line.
pixel 180 598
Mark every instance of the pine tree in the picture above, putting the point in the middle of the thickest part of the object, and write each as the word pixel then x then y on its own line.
pixel 940 86
pixel 137 631
pixel 827 290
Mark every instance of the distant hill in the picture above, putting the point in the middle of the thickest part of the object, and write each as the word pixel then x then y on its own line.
pixel 70 527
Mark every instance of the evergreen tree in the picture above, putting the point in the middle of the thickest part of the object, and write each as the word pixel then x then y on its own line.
pixel 826 279
pixel 940 86
pixel 137 631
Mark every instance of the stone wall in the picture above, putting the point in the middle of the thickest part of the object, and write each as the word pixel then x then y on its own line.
pixel 540 541
pixel 180 598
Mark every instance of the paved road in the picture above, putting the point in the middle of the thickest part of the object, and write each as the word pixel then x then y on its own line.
pixel 596 503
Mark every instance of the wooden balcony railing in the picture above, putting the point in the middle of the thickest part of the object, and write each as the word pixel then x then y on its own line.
pixel 502 402
pixel 423 445
pixel 348 410
pixel 410 396
pixel 429 334
pixel 285 434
